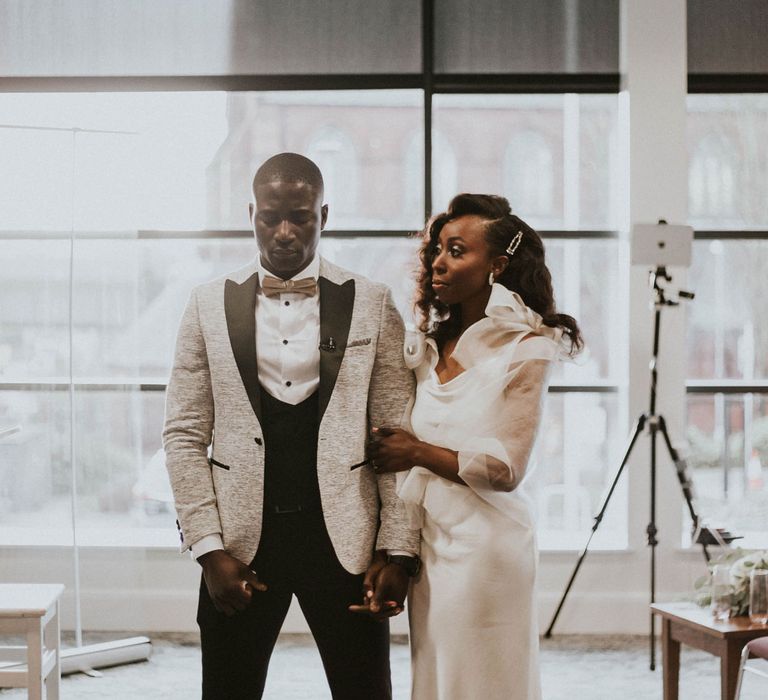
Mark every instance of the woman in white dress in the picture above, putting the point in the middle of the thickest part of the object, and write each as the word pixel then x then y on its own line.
pixel 490 334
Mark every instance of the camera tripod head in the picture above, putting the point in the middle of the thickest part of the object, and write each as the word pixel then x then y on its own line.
pixel 660 273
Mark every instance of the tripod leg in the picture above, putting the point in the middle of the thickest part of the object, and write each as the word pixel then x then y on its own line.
pixel 639 426
pixel 652 541
pixel 686 485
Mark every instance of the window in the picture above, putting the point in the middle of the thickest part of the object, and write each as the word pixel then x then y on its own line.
pixel 727 343
pixel 125 201
pixel 576 457
pixel 728 437
pixel 528 152
pixel 713 180
pixel 728 169
pixel 171 168
pixel 444 168
pixel 333 151
pixel 553 156
pixel 136 251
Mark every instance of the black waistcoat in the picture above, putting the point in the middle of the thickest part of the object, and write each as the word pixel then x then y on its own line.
pixel 290 456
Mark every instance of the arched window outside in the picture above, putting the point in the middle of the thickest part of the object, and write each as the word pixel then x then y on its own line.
pixel 444 174
pixel 712 179
pixel 529 177
pixel 333 151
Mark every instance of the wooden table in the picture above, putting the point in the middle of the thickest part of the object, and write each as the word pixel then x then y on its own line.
pixel 688 623
pixel 31 609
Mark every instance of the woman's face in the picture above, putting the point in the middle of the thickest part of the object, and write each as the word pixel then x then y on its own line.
pixel 462 261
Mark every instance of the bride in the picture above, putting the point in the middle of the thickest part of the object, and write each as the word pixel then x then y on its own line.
pixel 490 335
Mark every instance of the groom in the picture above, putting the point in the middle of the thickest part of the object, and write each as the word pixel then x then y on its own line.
pixel 281 370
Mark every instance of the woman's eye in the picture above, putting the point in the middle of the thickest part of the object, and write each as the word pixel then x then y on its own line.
pixel 455 251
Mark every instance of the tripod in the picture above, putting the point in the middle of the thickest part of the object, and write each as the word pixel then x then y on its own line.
pixel 656 424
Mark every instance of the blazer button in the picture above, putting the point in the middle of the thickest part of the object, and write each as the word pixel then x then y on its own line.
pixel 257 440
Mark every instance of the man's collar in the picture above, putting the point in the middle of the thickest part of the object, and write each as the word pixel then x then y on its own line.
pixel 312 270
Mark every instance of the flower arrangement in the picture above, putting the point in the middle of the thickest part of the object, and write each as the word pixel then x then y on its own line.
pixel 741 562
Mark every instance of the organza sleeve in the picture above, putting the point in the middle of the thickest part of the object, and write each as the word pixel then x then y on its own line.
pixel 493 460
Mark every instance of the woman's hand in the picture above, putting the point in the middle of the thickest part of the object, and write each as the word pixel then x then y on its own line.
pixel 384 589
pixel 393 450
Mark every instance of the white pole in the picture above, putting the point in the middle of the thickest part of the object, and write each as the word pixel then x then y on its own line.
pixel 72 414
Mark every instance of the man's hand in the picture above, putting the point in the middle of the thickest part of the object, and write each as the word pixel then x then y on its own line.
pixel 230 582
pixel 384 589
pixel 393 450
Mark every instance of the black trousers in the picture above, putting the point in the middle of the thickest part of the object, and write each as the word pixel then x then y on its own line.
pixel 295 557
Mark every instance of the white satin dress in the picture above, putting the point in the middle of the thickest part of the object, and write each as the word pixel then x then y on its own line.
pixel 472 608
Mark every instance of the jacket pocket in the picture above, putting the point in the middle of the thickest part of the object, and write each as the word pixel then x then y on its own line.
pixel 218 464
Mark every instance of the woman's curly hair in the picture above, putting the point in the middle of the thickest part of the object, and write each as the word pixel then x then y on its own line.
pixel 526 273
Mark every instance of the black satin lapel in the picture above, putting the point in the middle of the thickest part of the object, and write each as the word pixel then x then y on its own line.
pixel 336 302
pixel 240 310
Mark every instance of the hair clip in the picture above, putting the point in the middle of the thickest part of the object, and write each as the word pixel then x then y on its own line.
pixel 512 247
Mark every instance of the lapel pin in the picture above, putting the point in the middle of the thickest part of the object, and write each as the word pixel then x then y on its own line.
pixel 329 345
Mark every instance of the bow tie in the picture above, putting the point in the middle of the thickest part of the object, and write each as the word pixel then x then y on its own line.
pixel 272 286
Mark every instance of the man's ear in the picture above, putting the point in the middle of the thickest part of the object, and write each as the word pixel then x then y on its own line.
pixel 250 211
pixel 323 216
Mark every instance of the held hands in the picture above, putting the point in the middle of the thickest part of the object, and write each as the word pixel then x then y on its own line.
pixel 393 450
pixel 384 589
pixel 230 582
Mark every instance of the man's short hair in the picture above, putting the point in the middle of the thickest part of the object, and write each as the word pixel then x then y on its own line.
pixel 289 167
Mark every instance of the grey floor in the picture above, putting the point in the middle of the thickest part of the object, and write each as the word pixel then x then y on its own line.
pixel 572 668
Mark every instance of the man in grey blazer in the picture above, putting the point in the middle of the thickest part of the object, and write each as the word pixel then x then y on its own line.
pixel 281 371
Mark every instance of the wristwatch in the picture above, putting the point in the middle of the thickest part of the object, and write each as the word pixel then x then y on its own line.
pixel 412 565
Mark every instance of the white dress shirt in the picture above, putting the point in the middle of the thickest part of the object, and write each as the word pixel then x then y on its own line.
pixel 288 340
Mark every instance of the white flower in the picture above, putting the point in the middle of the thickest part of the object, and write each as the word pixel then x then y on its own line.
pixel 741 567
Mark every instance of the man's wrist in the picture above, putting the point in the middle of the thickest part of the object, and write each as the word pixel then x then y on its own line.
pixel 205 559
pixel 206 544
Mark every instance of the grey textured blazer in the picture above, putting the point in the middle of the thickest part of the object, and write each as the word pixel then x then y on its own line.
pixel 213 405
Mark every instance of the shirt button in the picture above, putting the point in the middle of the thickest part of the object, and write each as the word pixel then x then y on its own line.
pixel 285 342
pixel 287 303
pixel 288 383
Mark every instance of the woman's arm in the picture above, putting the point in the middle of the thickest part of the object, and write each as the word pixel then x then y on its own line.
pixel 396 450
pixel 494 456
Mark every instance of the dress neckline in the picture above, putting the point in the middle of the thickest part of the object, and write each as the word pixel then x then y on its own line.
pixel 468 331
pixel 436 377
pixel 507 320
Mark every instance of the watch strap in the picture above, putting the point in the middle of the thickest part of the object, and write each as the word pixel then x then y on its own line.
pixel 411 564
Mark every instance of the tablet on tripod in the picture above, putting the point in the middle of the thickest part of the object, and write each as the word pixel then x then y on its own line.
pixel 662 244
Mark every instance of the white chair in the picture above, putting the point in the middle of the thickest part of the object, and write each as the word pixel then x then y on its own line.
pixel 757 648
pixel 31 609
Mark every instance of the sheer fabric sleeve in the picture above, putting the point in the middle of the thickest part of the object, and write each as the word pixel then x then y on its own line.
pixel 496 460
pixel 494 453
